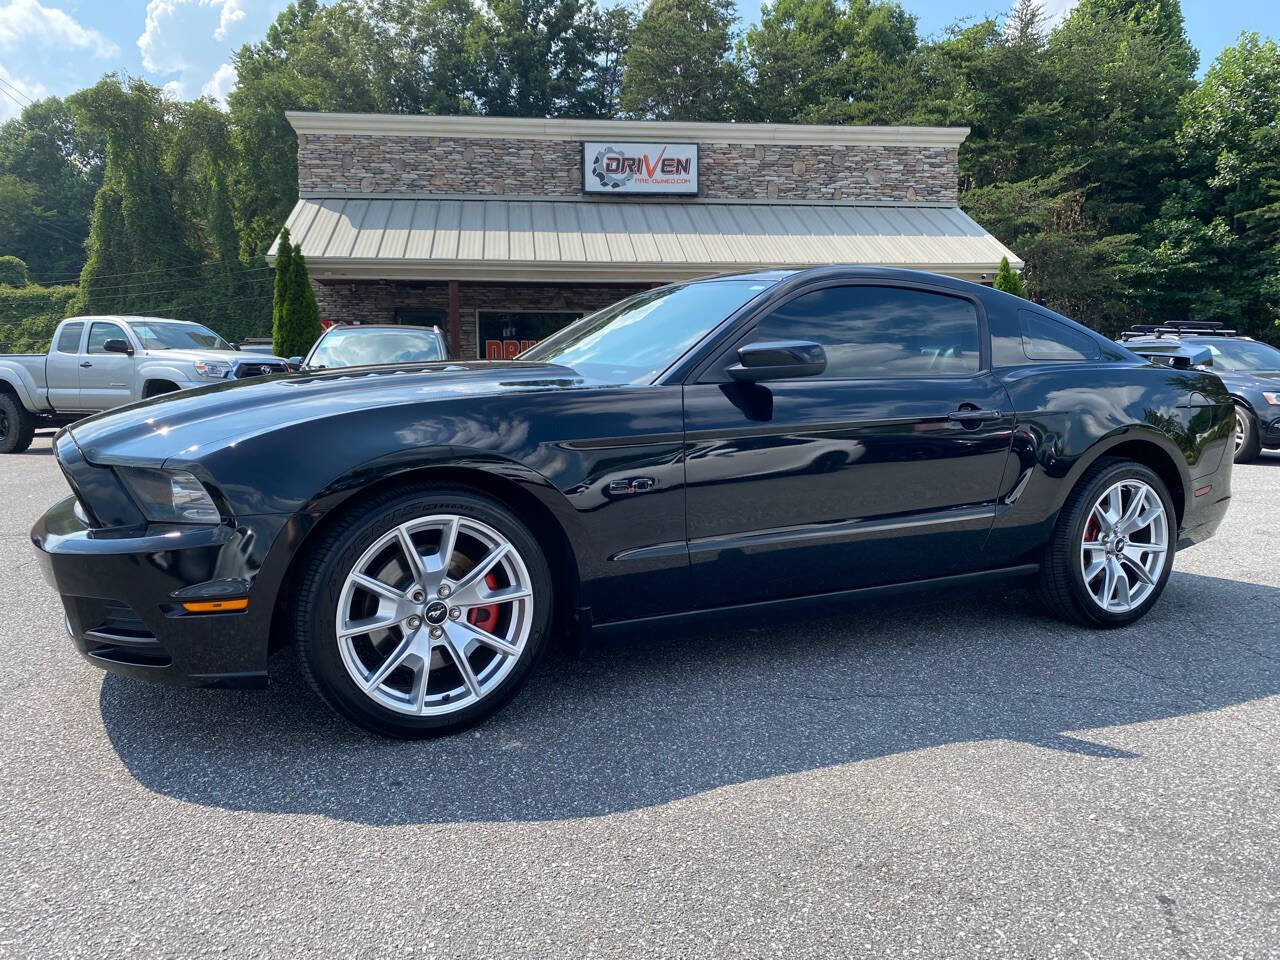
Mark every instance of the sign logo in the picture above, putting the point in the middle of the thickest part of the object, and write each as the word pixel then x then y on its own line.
pixel 640 168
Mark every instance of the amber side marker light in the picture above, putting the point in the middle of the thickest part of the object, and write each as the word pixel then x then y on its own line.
pixel 216 606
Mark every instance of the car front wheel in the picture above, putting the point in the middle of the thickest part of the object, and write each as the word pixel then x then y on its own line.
pixel 422 613
pixel 1248 443
pixel 1112 548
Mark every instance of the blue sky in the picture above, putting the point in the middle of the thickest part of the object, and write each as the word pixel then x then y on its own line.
pixel 58 46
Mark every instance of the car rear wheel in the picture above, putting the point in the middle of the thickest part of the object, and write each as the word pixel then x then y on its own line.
pixel 423 612
pixel 1112 548
pixel 17 425
pixel 1248 443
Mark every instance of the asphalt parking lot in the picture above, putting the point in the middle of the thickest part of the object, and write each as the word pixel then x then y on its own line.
pixel 952 775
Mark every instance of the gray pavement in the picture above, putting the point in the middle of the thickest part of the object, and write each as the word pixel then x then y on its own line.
pixel 941 776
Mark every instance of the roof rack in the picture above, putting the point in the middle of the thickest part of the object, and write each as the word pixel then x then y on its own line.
pixel 1179 328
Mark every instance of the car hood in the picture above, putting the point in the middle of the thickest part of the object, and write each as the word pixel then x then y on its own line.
pixel 1263 379
pixel 193 421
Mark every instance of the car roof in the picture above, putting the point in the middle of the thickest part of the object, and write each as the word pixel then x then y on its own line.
pixel 434 328
pixel 130 318
pixel 1152 339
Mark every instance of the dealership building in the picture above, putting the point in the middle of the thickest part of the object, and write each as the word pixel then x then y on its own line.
pixel 502 230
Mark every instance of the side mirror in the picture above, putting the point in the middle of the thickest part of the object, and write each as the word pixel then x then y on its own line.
pixel 295 363
pixel 779 360
pixel 235 345
pixel 118 346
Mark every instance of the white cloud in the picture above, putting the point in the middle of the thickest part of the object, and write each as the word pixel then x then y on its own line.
pixel 27 23
pixel 1055 11
pixel 220 84
pixel 16 92
pixel 172 90
pixel 173 25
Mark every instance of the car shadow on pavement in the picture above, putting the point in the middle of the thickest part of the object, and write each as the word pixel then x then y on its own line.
pixel 672 715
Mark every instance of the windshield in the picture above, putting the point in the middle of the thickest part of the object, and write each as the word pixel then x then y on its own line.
pixel 634 341
pixel 162 335
pixel 1244 355
pixel 353 347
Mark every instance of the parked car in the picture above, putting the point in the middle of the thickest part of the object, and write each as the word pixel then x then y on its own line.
pixel 1250 369
pixel 720 447
pixel 262 346
pixel 372 344
pixel 96 363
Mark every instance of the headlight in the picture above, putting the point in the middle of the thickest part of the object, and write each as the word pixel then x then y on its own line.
pixel 213 369
pixel 170 496
pixel 1272 398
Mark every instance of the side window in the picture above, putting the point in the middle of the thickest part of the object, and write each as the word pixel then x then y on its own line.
pixel 100 333
pixel 1044 338
pixel 69 338
pixel 871 332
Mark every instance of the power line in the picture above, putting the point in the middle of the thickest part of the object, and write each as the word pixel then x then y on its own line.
pixel 15 100
pixel 14 88
pixel 197 266
pixel 253 274
pixel 263 297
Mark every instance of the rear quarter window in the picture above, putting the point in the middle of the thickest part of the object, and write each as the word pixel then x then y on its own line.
pixel 69 338
pixel 1046 339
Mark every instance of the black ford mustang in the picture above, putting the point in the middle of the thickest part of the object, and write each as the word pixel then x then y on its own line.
pixel 775 437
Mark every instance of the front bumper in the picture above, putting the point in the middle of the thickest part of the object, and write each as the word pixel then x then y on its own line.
pixel 123 591
pixel 1269 427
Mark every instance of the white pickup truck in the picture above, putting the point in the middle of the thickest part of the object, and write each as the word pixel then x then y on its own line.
pixel 96 363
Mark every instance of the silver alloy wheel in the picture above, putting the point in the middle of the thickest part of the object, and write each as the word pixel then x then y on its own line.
pixel 1125 546
pixel 410 615
pixel 1242 429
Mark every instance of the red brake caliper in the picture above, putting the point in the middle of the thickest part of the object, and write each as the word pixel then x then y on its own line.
pixel 486 617
pixel 1091 530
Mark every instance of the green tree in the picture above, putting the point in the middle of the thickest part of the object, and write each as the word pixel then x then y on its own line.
pixel 59 167
pixel 534 58
pixel 613 28
pixel 138 231
pixel 795 58
pixel 298 326
pixel 1007 279
pixel 13 272
pixel 678 66
pixel 1218 250
pixel 430 67
pixel 280 294
pixel 334 58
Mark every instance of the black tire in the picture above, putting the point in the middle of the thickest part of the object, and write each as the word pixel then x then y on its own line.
pixel 334 556
pixel 1061 586
pixel 17 425
pixel 1247 425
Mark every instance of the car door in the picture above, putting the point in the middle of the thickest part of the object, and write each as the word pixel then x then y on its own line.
pixel 883 469
pixel 106 379
pixel 62 367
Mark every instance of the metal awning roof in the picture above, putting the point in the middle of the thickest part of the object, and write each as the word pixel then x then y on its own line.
pixel 581 240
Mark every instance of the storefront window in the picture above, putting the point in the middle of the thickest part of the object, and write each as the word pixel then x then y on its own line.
pixel 505 333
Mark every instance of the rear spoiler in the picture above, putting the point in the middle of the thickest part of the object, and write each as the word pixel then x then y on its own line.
pixel 1184 356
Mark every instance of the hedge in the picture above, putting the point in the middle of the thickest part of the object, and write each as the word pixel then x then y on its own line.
pixel 28 316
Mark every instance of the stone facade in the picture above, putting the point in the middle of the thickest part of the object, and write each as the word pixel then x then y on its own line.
pixel 376 301
pixel 422 166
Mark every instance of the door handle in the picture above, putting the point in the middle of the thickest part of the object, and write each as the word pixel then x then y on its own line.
pixel 973 413
pixel 86 364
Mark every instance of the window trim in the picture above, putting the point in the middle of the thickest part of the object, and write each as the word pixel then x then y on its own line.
pixel 712 369
pixel 84 349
